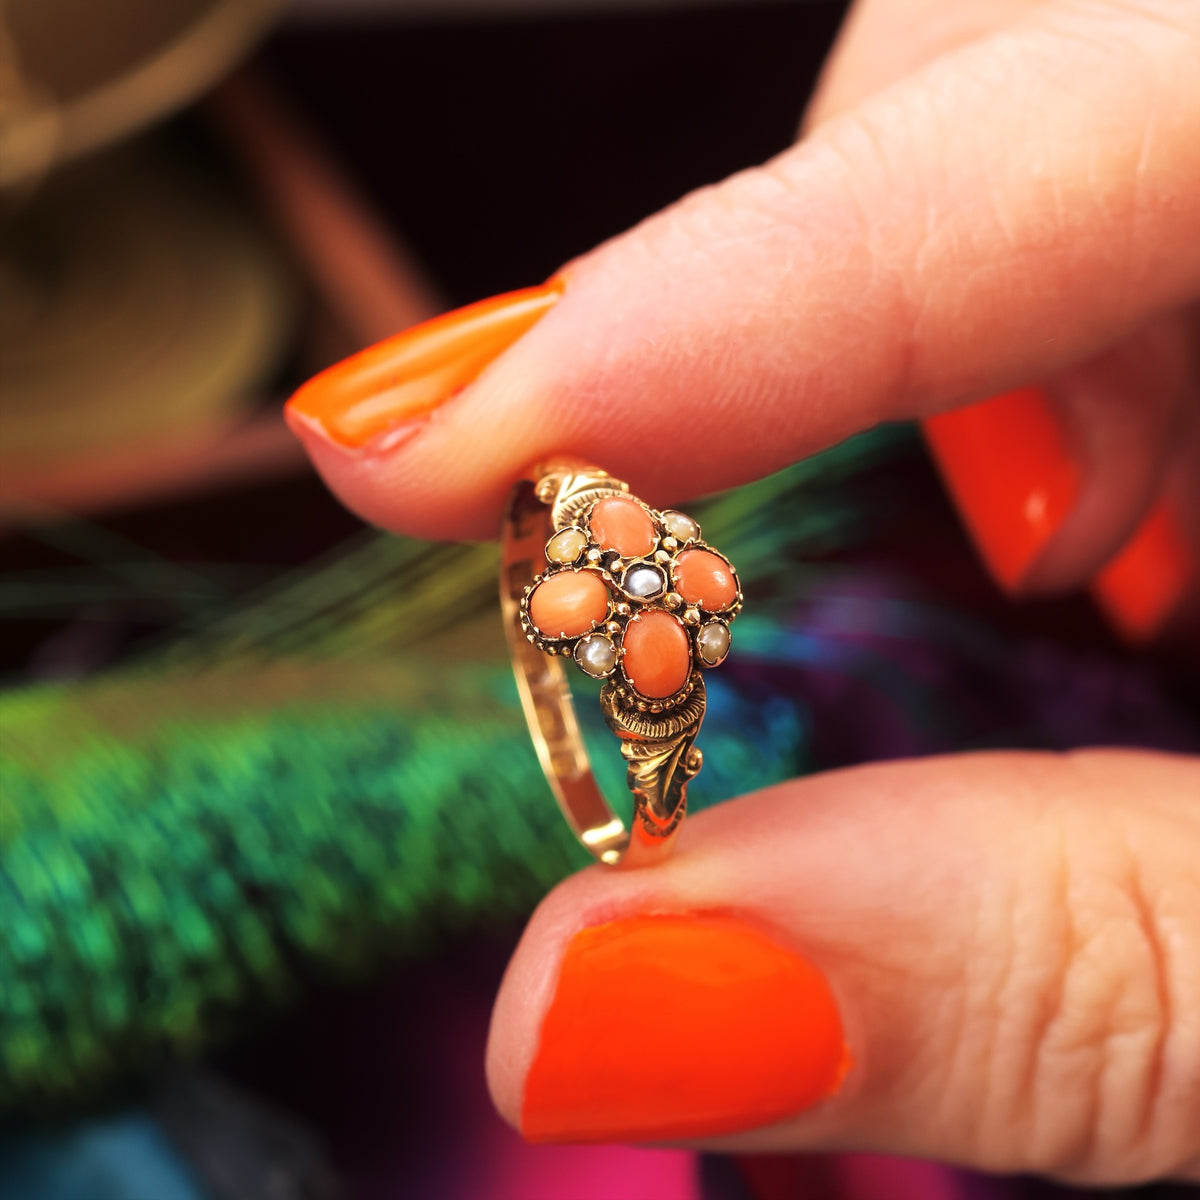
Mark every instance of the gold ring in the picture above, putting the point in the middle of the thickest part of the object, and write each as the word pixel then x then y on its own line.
pixel 637 599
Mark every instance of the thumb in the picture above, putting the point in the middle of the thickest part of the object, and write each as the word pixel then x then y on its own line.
pixel 1013 207
pixel 993 960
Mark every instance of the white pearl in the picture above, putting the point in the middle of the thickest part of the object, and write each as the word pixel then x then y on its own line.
pixel 712 642
pixel 680 526
pixel 566 545
pixel 644 581
pixel 596 655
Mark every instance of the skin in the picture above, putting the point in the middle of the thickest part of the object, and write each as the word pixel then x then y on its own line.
pixel 1013 945
pixel 1014 938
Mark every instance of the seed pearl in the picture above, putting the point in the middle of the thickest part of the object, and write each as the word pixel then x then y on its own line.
pixel 596 655
pixel 712 642
pixel 680 526
pixel 643 581
pixel 566 545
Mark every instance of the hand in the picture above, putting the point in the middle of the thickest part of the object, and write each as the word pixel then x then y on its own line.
pixel 1012 941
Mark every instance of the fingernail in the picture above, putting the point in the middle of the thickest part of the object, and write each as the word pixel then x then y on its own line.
pixel 1143 586
pixel 405 377
pixel 1007 467
pixel 681 1026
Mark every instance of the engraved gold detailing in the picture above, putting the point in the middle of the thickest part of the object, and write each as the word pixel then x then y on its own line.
pixel 576 492
pixel 659 751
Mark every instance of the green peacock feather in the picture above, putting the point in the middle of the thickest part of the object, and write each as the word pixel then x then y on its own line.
pixel 330 776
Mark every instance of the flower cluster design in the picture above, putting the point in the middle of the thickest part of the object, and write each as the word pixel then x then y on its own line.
pixel 634 595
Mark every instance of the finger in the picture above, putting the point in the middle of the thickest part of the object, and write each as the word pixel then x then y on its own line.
pixel 929 247
pixel 1151 587
pixel 1005 949
pixel 1053 481
pixel 881 41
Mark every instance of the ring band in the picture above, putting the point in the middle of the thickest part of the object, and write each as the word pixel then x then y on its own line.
pixel 636 598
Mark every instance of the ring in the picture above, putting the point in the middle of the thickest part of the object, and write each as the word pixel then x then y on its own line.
pixel 637 599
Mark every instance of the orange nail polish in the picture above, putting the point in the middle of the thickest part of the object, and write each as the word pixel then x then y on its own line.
pixel 1006 465
pixel 680 1026
pixel 1143 585
pixel 408 375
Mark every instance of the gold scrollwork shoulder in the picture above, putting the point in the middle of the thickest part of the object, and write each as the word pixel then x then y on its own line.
pixel 660 754
pixel 570 494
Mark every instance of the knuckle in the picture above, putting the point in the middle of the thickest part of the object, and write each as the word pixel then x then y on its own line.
pixel 750 211
pixel 1114 1061
pixel 796 236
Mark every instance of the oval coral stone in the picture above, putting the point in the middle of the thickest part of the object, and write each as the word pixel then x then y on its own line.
pixel 705 579
pixel 658 658
pixel 568 603
pixel 622 525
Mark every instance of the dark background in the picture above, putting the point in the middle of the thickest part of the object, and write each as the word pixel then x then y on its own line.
pixel 496 150
pixel 502 149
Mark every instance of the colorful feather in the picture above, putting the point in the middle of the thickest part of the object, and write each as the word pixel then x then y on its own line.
pixel 335 773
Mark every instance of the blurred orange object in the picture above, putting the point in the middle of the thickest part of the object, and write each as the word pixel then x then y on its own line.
pixel 148 309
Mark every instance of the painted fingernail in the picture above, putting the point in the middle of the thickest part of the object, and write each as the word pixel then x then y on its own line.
pixel 1142 587
pixel 405 377
pixel 1007 467
pixel 680 1026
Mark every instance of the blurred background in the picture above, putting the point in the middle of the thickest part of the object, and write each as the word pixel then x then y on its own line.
pixel 269 819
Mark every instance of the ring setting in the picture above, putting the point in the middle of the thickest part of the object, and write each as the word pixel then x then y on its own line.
pixel 637 599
